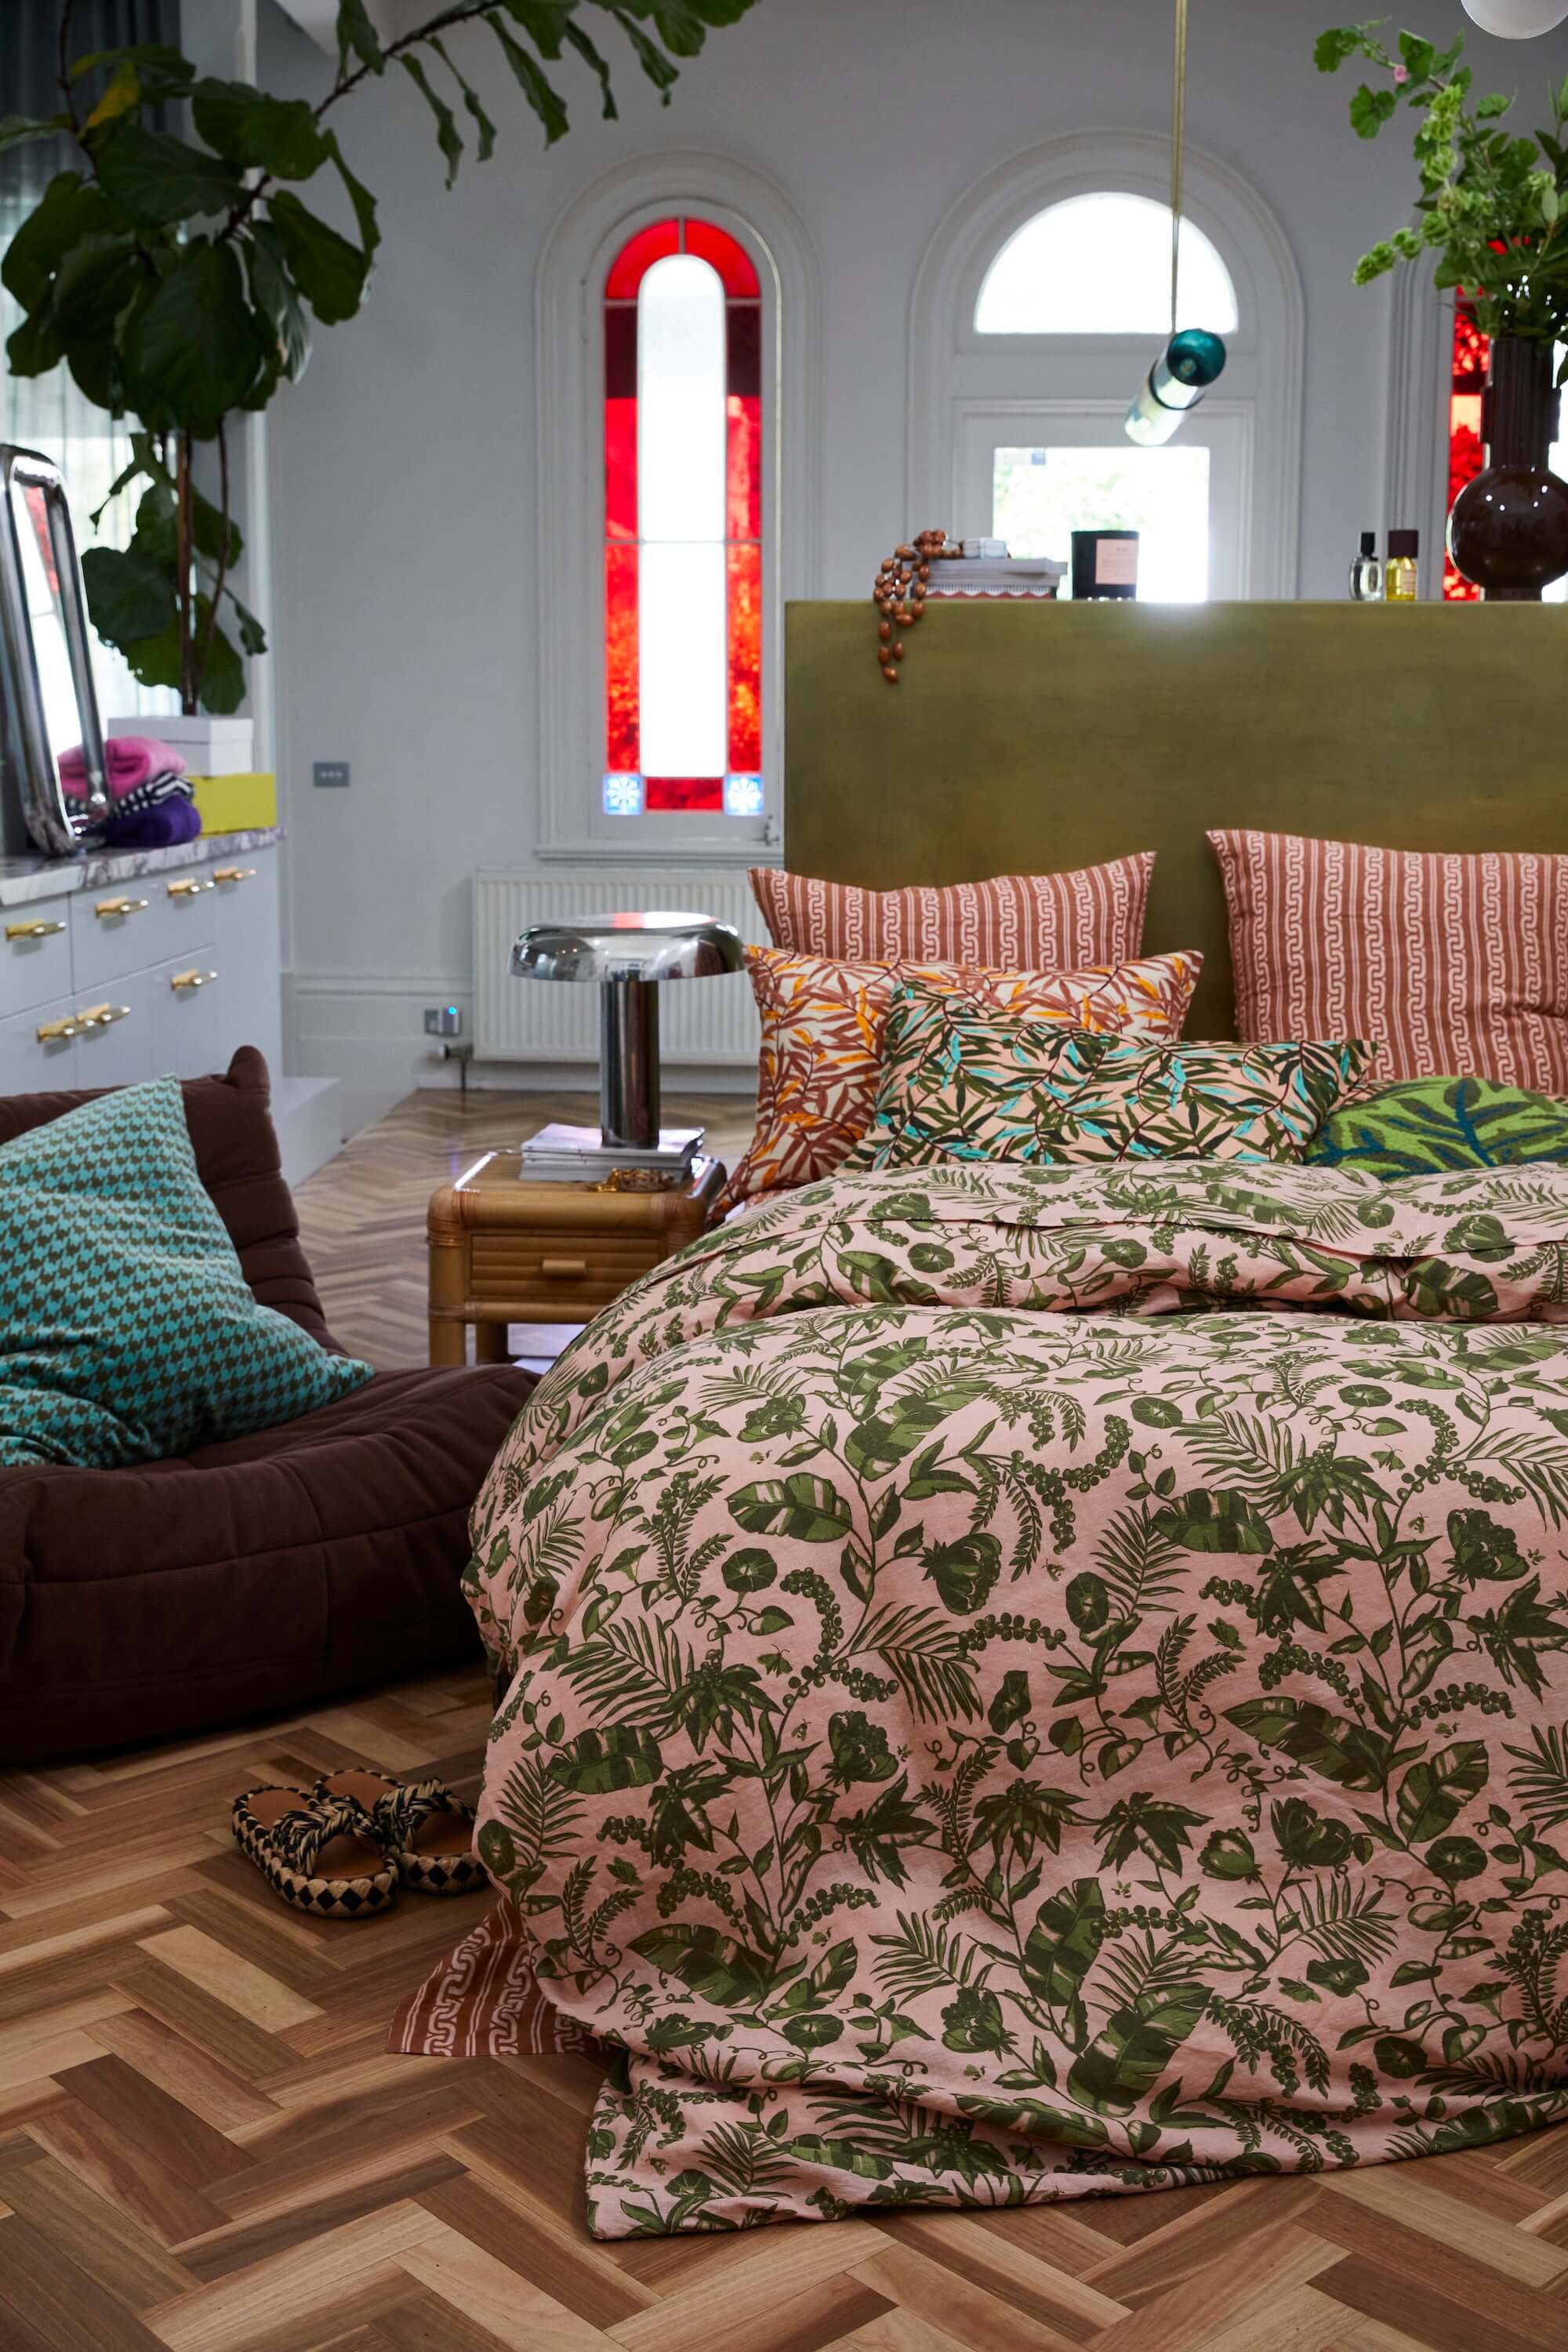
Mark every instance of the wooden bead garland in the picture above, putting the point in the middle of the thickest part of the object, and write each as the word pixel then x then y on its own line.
pixel 900 591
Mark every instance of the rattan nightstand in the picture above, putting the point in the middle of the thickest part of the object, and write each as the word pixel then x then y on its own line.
pixel 504 1250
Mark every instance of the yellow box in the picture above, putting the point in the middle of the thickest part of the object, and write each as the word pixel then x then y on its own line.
pixel 236 803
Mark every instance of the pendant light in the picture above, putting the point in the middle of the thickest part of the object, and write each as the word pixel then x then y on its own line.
pixel 1516 20
pixel 1193 358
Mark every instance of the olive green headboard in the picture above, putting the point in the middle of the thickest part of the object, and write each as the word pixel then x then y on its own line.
pixel 1032 738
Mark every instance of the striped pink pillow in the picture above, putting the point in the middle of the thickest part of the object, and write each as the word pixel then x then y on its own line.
pixel 1016 922
pixel 1458 965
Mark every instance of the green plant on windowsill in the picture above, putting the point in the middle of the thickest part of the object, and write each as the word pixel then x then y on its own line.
pixel 177 277
pixel 1492 205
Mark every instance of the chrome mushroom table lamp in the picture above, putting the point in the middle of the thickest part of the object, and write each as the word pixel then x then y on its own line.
pixel 630 956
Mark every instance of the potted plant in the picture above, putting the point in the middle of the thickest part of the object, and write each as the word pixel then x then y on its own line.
pixel 178 278
pixel 1492 210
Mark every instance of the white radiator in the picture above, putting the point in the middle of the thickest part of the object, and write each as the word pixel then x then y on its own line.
pixel 706 1021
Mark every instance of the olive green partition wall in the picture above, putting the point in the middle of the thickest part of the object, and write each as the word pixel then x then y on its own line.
pixel 1030 738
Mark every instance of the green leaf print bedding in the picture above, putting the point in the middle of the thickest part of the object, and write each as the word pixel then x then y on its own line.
pixel 1027 1683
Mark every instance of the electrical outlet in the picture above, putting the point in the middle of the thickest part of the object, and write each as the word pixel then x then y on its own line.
pixel 443 1021
pixel 329 771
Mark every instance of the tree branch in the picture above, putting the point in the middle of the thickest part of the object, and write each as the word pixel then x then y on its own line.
pixel 206 653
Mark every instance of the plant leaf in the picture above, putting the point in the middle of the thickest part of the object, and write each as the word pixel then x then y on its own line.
pixel 357 38
pixel 326 269
pixel 156 180
pixel 254 131
pixel 449 138
pixel 545 99
pixel 198 347
pixel 128 594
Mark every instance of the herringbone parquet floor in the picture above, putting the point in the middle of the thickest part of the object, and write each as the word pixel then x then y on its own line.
pixel 205 2148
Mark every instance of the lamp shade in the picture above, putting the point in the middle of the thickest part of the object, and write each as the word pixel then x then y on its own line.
pixel 1516 20
pixel 654 945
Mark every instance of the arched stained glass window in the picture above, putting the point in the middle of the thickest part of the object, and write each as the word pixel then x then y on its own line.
pixel 683 524
pixel 1101 265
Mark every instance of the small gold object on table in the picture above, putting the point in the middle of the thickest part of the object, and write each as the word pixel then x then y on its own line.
pixel 505 1249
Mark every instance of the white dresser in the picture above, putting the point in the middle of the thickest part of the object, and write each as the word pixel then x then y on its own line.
pixel 115 968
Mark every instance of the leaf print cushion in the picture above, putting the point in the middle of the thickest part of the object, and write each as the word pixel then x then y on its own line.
pixel 822 1040
pixel 1437 1123
pixel 957 1084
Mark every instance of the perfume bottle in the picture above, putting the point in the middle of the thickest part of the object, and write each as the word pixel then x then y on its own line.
pixel 1400 578
pixel 1366 573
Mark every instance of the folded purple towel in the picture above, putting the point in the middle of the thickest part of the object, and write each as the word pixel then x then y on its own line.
pixel 161 827
pixel 130 760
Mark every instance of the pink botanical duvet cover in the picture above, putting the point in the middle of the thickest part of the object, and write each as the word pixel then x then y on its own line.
pixel 995 1714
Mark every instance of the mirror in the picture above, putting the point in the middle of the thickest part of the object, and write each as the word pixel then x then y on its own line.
pixel 49 705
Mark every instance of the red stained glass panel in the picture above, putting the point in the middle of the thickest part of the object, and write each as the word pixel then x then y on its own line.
pixel 737 270
pixel 746 660
pixel 637 258
pixel 684 795
pixel 744 504
pixel 1467 451
pixel 743 519
pixel 622 717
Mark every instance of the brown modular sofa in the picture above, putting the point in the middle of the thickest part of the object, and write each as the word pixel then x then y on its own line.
pixel 137 1604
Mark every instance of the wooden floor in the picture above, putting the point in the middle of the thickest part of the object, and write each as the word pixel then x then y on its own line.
pixel 205 2146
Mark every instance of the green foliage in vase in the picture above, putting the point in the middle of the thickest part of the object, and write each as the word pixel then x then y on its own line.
pixel 1492 202
pixel 178 278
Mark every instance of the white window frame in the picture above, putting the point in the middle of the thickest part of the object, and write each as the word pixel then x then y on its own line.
pixel 1225 427
pixel 569 312
pixel 954 372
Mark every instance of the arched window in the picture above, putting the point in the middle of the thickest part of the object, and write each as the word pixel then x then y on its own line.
pixel 678 509
pixel 1101 265
pixel 683 524
pixel 1041 306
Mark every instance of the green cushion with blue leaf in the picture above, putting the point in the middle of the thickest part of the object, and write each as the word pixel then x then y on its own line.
pixel 1427 1124
pixel 129 1331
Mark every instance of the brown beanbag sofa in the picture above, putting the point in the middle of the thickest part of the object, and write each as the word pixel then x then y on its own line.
pixel 140 1603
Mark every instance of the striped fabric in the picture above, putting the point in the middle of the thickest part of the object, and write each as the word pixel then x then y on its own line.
pixel 1016 922
pixel 1458 965
pixel 482 2000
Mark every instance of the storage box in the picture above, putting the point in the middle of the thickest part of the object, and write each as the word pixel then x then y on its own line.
pixel 209 747
pixel 236 803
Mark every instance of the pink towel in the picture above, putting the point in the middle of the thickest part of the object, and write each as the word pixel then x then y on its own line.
pixel 130 760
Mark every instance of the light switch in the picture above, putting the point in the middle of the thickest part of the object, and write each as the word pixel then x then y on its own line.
pixel 330 772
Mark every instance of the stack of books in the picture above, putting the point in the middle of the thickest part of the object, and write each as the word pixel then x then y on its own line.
pixel 996 575
pixel 560 1154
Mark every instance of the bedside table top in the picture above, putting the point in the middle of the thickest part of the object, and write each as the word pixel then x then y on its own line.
pixel 501 1171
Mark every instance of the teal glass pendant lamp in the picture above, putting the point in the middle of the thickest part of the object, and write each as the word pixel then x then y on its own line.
pixel 1193 358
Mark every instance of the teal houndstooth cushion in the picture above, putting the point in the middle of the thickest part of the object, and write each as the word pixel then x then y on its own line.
pixel 129 1332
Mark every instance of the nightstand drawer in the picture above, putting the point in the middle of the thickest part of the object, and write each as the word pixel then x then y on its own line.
pixel 591 1268
pixel 35 954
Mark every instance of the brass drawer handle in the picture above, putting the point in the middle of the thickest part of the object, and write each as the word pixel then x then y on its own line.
pixel 102 1016
pixel 564 1269
pixel 187 979
pixel 188 889
pixel 109 910
pixel 234 873
pixel 38 930
pixel 54 1033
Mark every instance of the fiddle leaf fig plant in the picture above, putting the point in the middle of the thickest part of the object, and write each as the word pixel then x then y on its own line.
pixel 1492 205
pixel 180 278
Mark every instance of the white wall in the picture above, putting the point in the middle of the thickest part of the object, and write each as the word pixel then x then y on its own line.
pixel 403 490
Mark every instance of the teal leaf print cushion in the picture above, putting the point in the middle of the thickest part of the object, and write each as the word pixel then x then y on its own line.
pixel 961 1083
pixel 1431 1124
pixel 129 1331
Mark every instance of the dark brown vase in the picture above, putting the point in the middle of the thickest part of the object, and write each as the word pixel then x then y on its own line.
pixel 1508 529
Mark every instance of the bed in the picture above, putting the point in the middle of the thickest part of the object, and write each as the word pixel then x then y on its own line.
pixel 1031 1682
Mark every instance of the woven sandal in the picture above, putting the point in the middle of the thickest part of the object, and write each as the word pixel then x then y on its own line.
pixel 322 1858
pixel 428 1832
